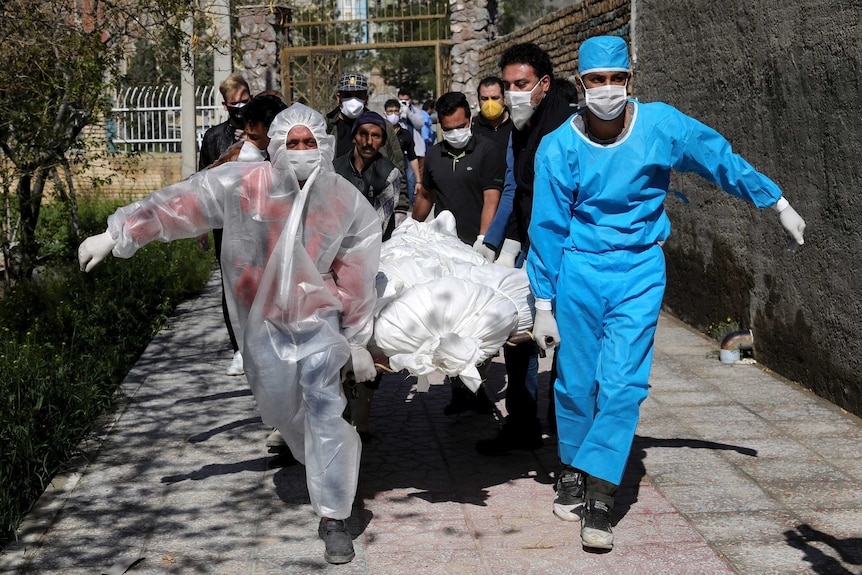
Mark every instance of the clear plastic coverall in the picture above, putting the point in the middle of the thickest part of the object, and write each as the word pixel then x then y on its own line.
pixel 598 215
pixel 299 269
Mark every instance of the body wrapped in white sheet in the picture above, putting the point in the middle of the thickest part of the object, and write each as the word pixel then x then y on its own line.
pixel 441 307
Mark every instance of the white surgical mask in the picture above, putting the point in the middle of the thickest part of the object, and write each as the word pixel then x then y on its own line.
pixel 458 137
pixel 303 162
pixel 521 107
pixel 606 102
pixel 393 118
pixel 352 107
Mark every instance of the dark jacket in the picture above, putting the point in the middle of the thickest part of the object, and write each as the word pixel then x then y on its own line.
pixel 371 183
pixel 216 141
pixel 498 135
pixel 341 128
pixel 552 111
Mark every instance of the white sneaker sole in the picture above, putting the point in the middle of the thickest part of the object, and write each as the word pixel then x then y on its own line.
pixel 595 539
pixel 569 512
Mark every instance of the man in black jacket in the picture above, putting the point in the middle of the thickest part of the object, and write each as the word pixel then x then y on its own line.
pixel 236 94
pixel 536 107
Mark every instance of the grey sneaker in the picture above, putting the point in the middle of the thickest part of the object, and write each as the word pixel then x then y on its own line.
pixel 596 527
pixel 569 502
pixel 276 440
pixel 339 546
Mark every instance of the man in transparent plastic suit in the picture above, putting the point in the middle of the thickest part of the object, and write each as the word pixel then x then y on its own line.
pixel 597 269
pixel 300 253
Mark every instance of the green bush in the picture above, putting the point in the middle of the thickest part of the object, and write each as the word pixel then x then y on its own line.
pixel 67 341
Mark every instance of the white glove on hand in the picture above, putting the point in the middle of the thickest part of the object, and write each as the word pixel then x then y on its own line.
pixel 792 222
pixel 484 251
pixel 400 216
pixel 361 364
pixel 94 249
pixel 545 330
pixel 509 253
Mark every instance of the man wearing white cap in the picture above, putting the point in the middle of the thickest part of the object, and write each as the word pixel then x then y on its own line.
pixel 597 269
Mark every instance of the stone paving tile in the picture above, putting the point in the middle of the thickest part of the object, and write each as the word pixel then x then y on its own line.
pixel 568 561
pixel 691 398
pixel 852 467
pixel 402 536
pixel 701 473
pixel 741 496
pixel 791 470
pixel 505 532
pixel 833 523
pixel 830 427
pixel 733 526
pixel 816 494
pixel 735 432
pixel 666 559
pixel 780 558
pixel 436 562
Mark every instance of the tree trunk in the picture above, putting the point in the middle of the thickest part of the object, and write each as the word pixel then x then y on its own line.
pixel 29 204
pixel 70 199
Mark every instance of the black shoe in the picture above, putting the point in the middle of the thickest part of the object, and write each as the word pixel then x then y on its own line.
pixel 569 502
pixel 596 526
pixel 511 438
pixel 339 546
pixel 465 400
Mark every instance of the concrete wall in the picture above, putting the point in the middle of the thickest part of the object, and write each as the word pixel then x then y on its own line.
pixel 781 80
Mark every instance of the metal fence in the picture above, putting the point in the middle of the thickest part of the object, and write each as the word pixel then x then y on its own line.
pixel 148 119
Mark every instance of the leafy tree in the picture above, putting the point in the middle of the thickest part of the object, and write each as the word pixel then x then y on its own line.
pixel 411 68
pixel 515 14
pixel 60 59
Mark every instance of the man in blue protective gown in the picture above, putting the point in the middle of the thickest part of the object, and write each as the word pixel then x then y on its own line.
pixel 597 269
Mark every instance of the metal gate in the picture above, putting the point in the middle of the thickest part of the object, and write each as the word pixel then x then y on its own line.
pixel 318 35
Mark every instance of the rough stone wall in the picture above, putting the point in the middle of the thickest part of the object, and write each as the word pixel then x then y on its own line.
pixel 781 80
pixel 257 39
pixel 470 24
pixel 560 34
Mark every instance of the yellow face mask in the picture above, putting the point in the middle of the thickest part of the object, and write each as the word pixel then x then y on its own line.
pixel 492 109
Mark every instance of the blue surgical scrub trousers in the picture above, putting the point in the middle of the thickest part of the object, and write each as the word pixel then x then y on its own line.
pixel 607 306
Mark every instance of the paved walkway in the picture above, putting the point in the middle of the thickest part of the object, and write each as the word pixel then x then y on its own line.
pixel 734 470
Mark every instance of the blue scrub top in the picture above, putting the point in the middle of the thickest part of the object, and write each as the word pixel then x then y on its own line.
pixel 596 198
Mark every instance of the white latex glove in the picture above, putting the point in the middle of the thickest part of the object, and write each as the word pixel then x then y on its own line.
pixel 509 253
pixel 400 216
pixel 545 330
pixel 361 364
pixel 484 251
pixel 94 249
pixel 792 222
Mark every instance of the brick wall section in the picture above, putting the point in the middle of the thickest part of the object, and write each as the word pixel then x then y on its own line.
pixel 132 180
pixel 561 33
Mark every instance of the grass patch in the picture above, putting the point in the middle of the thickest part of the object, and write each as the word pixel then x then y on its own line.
pixel 66 342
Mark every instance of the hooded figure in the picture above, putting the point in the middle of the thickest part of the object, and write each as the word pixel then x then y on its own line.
pixel 299 256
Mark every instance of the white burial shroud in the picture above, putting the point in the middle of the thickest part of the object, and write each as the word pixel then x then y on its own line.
pixel 441 306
